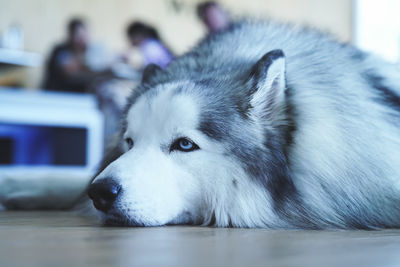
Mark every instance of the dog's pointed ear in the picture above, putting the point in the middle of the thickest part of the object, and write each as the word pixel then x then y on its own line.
pixel 149 72
pixel 268 83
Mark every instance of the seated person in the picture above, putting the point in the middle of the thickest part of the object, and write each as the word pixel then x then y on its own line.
pixel 147 39
pixel 67 68
pixel 213 16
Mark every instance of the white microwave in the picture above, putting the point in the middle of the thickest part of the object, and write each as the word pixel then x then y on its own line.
pixel 49 133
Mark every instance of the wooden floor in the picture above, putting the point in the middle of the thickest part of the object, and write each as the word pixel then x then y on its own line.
pixel 62 239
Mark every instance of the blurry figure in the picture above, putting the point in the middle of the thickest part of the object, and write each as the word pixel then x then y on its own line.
pixel 213 16
pixel 77 65
pixel 68 68
pixel 147 39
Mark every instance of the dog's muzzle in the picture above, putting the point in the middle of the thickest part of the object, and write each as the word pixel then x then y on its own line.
pixel 104 193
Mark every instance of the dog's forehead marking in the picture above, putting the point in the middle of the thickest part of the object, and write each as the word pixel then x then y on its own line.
pixel 168 111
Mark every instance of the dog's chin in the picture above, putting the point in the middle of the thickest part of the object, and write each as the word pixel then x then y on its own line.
pixel 185 218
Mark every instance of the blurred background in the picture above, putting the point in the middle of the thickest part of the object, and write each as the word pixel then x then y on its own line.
pixel 67 67
pixel 42 23
pixel 38 25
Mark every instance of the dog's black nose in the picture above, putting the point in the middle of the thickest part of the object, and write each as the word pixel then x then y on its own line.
pixel 104 193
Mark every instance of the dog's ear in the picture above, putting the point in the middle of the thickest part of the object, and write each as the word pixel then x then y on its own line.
pixel 267 85
pixel 149 72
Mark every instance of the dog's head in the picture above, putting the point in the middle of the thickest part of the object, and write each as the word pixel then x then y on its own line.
pixel 201 151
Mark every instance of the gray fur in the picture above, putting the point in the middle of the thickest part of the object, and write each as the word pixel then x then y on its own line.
pixel 331 152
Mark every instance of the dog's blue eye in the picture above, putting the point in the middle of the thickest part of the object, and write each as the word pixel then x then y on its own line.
pixel 184 145
pixel 129 142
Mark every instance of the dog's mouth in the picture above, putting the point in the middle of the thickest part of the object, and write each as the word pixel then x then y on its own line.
pixel 117 219
pixel 121 222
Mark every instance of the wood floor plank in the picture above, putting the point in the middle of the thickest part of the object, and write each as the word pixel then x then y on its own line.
pixel 66 239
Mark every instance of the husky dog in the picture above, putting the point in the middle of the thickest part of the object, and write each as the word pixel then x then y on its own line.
pixel 263 125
